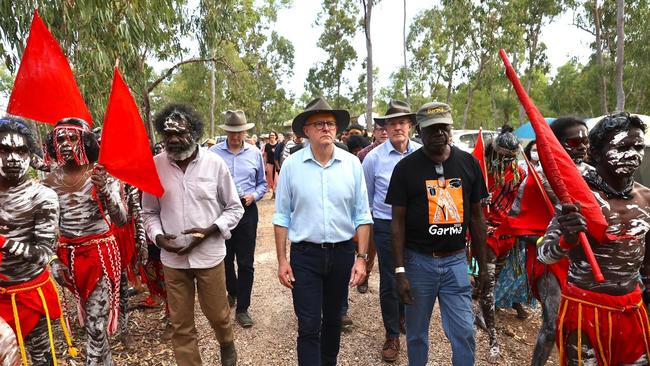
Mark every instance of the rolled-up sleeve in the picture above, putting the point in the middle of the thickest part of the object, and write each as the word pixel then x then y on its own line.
pixel 361 213
pixel 228 197
pixel 282 215
pixel 151 216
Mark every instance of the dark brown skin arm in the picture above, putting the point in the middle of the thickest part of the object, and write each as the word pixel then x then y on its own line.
pixel 398 228
pixel 478 234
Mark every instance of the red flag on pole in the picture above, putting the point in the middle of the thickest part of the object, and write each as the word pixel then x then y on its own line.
pixel 125 151
pixel 45 89
pixel 561 172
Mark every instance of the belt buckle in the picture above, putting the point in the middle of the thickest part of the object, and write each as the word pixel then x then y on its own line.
pixel 326 245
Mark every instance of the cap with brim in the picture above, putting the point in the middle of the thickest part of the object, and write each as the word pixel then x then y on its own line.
pixel 320 105
pixel 434 113
pixel 396 108
pixel 236 122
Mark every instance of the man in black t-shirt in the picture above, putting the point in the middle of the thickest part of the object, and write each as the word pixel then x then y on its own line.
pixel 435 195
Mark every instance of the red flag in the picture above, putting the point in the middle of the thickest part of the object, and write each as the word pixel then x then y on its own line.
pixel 479 154
pixel 561 172
pixel 125 151
pixel 45 89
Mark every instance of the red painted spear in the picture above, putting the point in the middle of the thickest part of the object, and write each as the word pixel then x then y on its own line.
pixel 563 176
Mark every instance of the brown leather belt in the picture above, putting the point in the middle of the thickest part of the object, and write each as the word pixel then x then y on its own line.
pixel 447 254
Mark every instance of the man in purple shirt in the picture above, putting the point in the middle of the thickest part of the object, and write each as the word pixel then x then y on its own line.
pixel 190 224
pixel 246 166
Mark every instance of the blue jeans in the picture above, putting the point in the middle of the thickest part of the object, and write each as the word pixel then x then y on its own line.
pixel 444 278
pixel 319 293
pixel 391 308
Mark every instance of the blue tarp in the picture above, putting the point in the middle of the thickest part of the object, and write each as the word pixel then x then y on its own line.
pixel 526 130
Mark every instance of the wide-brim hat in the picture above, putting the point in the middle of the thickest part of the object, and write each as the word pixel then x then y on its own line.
pixel 320 105
pixel 236 122
pixel 396 108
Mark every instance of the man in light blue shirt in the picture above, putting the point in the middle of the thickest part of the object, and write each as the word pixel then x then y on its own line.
pixel 246 166
pixel 377 168
pixel 321 203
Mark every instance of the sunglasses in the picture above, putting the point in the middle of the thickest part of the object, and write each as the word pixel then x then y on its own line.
pixel 576 141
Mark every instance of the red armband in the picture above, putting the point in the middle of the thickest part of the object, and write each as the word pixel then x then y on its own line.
pixel 3 240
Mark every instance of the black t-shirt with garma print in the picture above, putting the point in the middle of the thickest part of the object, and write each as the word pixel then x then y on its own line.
pixel 437 205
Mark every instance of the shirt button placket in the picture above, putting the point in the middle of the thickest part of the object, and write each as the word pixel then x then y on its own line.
pixel 324 204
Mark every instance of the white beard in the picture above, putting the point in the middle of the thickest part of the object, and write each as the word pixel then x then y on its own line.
pixel 180 156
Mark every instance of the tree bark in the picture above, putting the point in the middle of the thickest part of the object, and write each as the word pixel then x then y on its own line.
pixel 213 91
pixel 620 54
pixel 367 15
pixel 406 68
pixel 470 91
pixel 450 75
pixel 599 58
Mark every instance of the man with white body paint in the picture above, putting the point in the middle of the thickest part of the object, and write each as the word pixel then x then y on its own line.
pixel 90 202
pixel 606 323
pixel 29 215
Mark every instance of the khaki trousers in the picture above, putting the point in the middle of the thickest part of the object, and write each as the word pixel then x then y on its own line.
pixel 211 288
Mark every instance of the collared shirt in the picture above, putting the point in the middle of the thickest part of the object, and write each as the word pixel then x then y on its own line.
pixel 377 168
pixel 321 204
pixel 246 168
pixel 202 196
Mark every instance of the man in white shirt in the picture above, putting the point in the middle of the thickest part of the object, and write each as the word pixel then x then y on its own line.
pixel 190 223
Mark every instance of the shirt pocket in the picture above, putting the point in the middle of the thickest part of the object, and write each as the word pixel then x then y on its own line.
pixel 202 190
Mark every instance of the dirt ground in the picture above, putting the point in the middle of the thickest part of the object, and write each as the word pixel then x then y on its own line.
pixel 272 340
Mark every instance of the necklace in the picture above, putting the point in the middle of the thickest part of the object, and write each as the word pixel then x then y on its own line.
pixel 61 179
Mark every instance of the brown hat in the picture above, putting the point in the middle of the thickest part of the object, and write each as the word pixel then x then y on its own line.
pixel 434 113
pixel 236 122
pixel 320 105
pixel 396 108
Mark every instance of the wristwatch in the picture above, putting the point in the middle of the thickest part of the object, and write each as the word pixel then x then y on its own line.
pixel 363 255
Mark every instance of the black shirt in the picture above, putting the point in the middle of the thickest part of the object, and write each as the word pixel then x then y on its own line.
pixel 437 206
pixel 269 150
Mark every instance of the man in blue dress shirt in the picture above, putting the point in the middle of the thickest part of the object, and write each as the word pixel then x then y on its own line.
pixel 321 203
pixel 246 166
pixel 378 167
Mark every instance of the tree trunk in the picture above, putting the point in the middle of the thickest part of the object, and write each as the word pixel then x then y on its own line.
pixel 406 68
pixel 367 4
pixel 470 91
pixel 213 91
pixel 620 54
pixel 450 76
pixel 599 58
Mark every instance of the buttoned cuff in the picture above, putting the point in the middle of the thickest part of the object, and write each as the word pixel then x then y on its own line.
pixel 155 233
pixel 281 220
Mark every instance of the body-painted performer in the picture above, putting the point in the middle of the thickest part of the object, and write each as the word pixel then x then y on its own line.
pixel 29 215
pixel 547 280
pixel 90 201
pixel 606 323
pixel 504 179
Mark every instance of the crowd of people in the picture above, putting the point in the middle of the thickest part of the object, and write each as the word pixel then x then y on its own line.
pixel 443 225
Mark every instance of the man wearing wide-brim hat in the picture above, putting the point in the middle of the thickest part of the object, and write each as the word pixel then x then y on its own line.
pixel 321 203
pixel 378 168
pixel 247 170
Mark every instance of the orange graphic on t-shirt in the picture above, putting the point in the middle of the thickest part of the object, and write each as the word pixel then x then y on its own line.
pixel 445 198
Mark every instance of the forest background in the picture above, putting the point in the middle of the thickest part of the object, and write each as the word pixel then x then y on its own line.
pixel 227 54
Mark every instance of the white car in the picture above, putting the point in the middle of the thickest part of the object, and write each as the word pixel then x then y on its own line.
pixel 466 139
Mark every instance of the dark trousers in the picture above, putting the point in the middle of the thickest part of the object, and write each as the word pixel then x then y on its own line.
pixel 241 248
pixel 319 293
pixel 391 308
